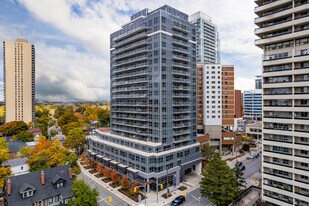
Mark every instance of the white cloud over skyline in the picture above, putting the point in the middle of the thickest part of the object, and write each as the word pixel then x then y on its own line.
pixel 77 68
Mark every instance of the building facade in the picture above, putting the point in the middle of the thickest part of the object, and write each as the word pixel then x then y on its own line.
pixel 19 80
pixel 153 100
pixel 252 100
pixel 228 96
pixel 207 37
pixel 258 82
pixel 212 100
pixel 238 104
pixel 284 37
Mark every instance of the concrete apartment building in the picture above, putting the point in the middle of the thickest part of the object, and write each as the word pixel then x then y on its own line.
pixel 258 82
pixel 153 100
pixel 228 96
pixel 284 37
pixel 19 80
pixel 207 37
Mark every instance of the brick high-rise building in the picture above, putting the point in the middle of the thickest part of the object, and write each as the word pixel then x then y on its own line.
pixel 19 80
pixel 228 96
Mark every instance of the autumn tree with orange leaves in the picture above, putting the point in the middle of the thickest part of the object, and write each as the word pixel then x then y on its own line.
pixel 99 168
pixel 125 183
pixel 107 172
pixel 114 176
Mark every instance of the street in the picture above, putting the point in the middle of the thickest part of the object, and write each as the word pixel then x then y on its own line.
pixel 104 193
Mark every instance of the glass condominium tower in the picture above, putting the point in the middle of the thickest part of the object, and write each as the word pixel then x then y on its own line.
pixel 153 100
pixel 284 37
pixel 207 38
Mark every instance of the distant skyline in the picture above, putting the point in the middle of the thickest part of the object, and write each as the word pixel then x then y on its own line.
pixel 72 40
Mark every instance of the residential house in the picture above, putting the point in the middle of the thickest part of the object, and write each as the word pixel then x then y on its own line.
pixel 18 166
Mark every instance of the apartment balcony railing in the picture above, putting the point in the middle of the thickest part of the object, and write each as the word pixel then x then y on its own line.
pixel 127 130
pixel 131 124
pixel 279 116
pixel 279 164
pixel 131 67
pixel 126 104
pixel 181 43
pixel 130 96
pixel 181 35
pixel 130 74
pixel 277 82
pixel 130 39
pixel 181 104
pixel 181 65
pixel 277 105
pixel 130 32
pixel 278 128
pixel 175 27
pixel 181 80
pixel 276 70
pixel 182 95
pixel 286 188
pixel 278 175
pixel 180 118
pixel 130 46
pixel 301 130
pixel 141 80
pixel 181 111
pixel 131 53
pixel 129 89
pixel 138 111
pixel 181 58
pixel 133 117
pixel 278 93
pixel 278 152
pixel 181 132
pixel 282 199
pixel 278 140
pixel 181 125
pixel 131 60
pixel 181 51
pixel 182 88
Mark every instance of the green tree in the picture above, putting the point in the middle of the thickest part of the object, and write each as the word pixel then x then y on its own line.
pixel 218 184
pixel 75 140
pixel 208 152
pixel 241 182
pixel 66 128
pixel 59 111
pixel 25 151
pixel 41 112
pixel 66 119
pixel 104 118
pixel 246 147
pixel 25 136
pixel 13 128
pixel 84 194
pixel 43 123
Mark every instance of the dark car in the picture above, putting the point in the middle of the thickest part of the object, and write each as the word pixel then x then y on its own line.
pixel 238 164
pixel 242 167
pixel 178 200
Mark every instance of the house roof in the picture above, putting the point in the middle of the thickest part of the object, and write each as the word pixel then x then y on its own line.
pixel 14 146
pixel 26 186
pixel 33 180
pixel 15 162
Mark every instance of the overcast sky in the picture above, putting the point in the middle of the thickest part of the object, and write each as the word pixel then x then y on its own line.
pixel 71 38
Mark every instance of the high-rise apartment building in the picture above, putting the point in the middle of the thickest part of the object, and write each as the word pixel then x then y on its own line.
pixel 207 37
pixel 19 80
pixel 228 96
pixel 283 35
pixel 252 100
pixel 153 100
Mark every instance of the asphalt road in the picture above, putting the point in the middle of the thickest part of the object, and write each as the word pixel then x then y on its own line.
pixel 104 193
pixel 252 167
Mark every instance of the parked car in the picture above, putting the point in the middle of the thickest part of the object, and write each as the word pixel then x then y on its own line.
pixel 238 164
pixel 257 155
pixel 178 200
pixel 250 157
pixel 242 168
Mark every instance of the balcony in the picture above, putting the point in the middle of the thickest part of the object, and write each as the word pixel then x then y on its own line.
pixel 181 58
pixel 302 191
pixel 279 175
pixel 181 117
pixel 179 28
pixel 129 96
pixel 129 68
pixel 181 73
pixel 181 35
pixel 130 32
pixel 279 164
pixel 130 89
pixel 130 75
pixel 131 53
pixel 130 40
pixel 128 82
pixel 181 80
pixel 133 111
pixel 131 60
pixel 126 104
pixel 181 43
pixel 181 51
pixel 130 47
pixel 182 95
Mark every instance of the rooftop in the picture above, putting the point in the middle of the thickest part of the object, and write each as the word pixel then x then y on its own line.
pixel 14 162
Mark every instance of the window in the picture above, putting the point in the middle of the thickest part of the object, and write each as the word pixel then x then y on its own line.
pixel 60 184
pixel 56 198
pixel 50 201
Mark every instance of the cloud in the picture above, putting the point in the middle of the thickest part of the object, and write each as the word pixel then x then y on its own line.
pixel 72 40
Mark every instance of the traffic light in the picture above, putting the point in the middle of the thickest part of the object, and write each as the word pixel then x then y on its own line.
pixel 185 193
pixel 110 199
pixel 161 186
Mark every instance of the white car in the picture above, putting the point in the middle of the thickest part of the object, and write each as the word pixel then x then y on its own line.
pixel 252 156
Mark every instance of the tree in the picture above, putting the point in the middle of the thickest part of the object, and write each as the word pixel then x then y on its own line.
pixel 107 172
pixel 241 182
pixel 68 127
pixel 4 173
pixel 104 118
pixel 134 184
pixel 99 168
pixel 246 147
pixel 86 161
pixel 47 154
pixel 25 151
pixel 125 183
pixel 66 118
pixel 60 110
pixel 75 140
pixel 218 183
pixel 43 123
pixel 25 136
pixel 13 128
pixel 208 152
pixel 114 176
pixel 4 151
pixel 84 194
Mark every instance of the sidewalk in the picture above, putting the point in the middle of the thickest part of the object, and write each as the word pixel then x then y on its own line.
pixel 152 198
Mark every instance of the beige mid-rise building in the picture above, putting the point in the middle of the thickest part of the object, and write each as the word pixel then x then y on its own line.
pixel 19 78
